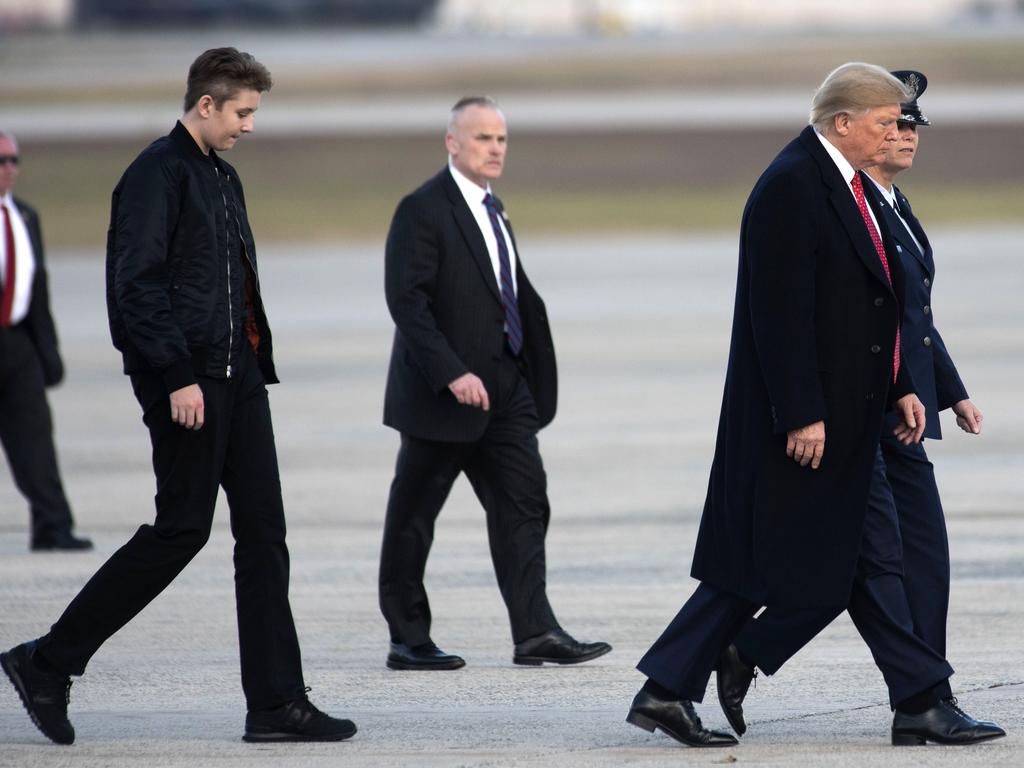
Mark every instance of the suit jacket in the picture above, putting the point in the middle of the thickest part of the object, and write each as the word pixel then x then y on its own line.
pixel 924 352
pixel 813 337
pixel 442 294
pixel 39 321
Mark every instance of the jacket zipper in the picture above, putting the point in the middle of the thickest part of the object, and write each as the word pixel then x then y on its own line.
pixel 227 249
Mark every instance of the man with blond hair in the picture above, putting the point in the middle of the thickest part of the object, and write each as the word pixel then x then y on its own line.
pixel 815 356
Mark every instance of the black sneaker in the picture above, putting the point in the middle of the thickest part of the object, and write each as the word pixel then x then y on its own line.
pixel 297 720
pixel 44 694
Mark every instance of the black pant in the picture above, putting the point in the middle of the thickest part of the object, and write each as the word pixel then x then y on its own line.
pixel 26 432
pixel 234 449
pixel 507 474
pixel 683 658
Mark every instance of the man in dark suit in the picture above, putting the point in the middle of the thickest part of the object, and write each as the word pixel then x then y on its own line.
pixel 909 487
pixel 472 379
pixel 187 315
pixel 29 363
pixel 815 353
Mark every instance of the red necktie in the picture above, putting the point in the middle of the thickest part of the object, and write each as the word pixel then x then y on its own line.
pixel 858 192
pixel 7 301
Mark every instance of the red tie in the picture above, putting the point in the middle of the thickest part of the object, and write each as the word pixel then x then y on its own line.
pixel 858 192
pixel 7 302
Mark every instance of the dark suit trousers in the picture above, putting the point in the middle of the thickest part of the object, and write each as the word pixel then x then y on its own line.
pixel 911 477
pixel 507 474
pixel 234 449
pixel 683 658
pixel 26 432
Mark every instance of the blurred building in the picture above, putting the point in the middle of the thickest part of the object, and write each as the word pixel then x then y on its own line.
pixel 29 14
pixel 629 16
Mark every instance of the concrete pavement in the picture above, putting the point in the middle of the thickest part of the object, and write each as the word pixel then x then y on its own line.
pixel 641 326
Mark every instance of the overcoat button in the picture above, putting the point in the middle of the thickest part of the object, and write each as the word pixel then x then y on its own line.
pixel 927 282
pixel 879 301
pixel 869 396
pixel 875 349
pixel 927 309
pixel 927 341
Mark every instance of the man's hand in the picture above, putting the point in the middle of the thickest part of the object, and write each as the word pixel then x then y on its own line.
pixel 911 413
pixel 469 390
pixel 807 444
pixel 968 417
pixel 187 407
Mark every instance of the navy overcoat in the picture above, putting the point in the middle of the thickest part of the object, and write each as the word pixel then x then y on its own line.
pixel 813 335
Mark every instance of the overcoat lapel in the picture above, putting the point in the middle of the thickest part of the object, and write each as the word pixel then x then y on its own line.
pixel 842 202
pixel 471 233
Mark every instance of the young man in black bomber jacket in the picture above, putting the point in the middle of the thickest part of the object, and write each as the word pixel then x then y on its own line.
pixel 185 310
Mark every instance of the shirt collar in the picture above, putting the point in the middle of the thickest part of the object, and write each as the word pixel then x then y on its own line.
pixel 7 199
pixel 472 191
pixel 888 194
pixel 845 169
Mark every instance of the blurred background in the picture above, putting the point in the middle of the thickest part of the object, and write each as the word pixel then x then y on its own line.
pixel 624 114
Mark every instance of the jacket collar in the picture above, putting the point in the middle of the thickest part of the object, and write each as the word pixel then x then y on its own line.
pixel 180 136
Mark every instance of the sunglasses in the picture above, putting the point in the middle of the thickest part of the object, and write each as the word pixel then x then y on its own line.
pixel 12 159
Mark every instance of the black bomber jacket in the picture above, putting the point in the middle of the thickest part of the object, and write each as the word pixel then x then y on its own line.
pixel 177 297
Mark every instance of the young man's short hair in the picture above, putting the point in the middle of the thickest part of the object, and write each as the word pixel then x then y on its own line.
pixel 222 73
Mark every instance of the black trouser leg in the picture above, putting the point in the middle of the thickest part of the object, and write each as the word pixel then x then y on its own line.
pixel 507 474
pixel 424 474
pixel 268 645
pixel 26 432
pixel 683 658
pixel 188 466
pixel 925 544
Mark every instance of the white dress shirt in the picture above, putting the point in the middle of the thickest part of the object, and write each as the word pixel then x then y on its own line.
pixel 890 198
pixel 474 195
pixel 25 262
pixel 847 172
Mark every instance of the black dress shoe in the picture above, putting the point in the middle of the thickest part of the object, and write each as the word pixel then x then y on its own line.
pixel 675 718
pixel 556 646
pixel 733 679
pixel 297 720
pixel 945 723
pixel 44 694
pixel 426 656
pixel 64 541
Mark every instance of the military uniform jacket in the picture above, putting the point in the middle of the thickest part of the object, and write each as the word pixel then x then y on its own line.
pixel 924 352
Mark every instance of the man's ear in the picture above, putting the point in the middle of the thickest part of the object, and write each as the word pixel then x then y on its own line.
pixel 841 122
pixel 205 105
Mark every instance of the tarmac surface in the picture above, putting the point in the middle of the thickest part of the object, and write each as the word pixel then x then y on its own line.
pixel 641 326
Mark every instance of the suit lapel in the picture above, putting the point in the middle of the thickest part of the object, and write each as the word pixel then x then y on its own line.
pixel 917 229
pixel 470 232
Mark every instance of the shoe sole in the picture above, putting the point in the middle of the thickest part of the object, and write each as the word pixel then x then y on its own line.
pixel 280 736
pixel 536 661
pixel 19 685
pixel 736 721
pixel 650 725
pixel 405 667
pixel 916 740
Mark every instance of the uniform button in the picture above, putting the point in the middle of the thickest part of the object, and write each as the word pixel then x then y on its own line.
pixel 879 301
pixel 875 349
pixel 927 282
pixel 927 309
pixel 927 341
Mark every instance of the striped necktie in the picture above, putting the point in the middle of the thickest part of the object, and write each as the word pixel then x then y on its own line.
pixel 513 323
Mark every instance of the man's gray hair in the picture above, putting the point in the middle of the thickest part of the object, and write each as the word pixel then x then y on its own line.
pixel 854 88
pixel 469 101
